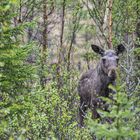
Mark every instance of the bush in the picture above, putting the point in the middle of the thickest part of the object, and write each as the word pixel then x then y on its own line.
pixel 122 114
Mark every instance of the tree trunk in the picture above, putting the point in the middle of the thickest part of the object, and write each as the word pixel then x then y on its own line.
pixel 30 30
pixel 61 50
pixel 44 45
pixel 110 24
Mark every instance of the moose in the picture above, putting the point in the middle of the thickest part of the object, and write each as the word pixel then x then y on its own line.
pixel 95 82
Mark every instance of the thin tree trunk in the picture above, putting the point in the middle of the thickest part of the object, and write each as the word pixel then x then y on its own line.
pixel 107 26
pixel 61 50
pixel 44 45
pixel 75 23
pixel 110 23
pixel 45 18
pixel 128 59
pixel 105 20
pixel 30 30
pixel 69 51
pixel 61 47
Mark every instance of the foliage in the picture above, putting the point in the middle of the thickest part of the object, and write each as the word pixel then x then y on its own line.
pixel 29 110
pixel 120 122
pixel 15 72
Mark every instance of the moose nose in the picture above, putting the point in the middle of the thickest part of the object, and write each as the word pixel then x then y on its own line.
pixel 112 73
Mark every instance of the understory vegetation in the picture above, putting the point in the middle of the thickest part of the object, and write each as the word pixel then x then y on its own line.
pixel 45 48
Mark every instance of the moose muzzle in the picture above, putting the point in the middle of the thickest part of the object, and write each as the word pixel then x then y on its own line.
pixel 112 73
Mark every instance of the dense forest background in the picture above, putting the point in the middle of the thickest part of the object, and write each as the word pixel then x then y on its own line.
pixel 45 46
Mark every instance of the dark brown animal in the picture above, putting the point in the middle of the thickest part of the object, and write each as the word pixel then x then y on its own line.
pixel 94 83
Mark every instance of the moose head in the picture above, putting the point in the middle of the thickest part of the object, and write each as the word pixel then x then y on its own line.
pixel 109 59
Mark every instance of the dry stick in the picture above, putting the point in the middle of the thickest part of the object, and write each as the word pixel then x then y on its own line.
pixel 110 24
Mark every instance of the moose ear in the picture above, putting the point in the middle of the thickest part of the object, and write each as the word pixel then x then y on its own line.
pixel 120 49
pixel 97 49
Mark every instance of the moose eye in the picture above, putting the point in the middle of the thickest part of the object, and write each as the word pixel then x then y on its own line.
pixel 117 60
pixel 104 60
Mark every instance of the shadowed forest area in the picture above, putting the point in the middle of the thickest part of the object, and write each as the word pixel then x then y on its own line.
pixel 45 47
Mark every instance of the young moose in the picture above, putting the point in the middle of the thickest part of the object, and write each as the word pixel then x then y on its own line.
pixel 95 82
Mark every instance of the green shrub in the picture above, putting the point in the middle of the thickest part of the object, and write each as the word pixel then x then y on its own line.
pixel 122 114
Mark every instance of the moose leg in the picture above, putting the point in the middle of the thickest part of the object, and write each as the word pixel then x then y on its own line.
pixel 95 114
pixel 94 105
pixel 82 112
